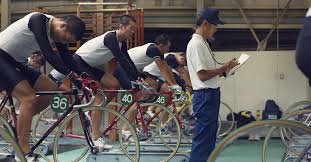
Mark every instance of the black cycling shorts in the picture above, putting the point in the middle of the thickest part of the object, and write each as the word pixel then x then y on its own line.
pixel 14 72
pixel 95 73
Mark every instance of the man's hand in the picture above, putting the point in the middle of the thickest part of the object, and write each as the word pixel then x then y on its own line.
pixel 175 88
pixel 75 79
pixel 87 81
pixel 232 63
pixel 229 65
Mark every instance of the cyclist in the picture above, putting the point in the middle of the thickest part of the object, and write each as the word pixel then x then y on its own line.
pixel 17 43
pixel 177 62
pixel 98 58
pixel 143 56
pixel 146 54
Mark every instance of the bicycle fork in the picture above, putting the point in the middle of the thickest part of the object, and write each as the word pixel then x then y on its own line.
pixel 86 125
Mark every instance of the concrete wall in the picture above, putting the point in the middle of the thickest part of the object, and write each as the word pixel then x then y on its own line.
pixel 266 75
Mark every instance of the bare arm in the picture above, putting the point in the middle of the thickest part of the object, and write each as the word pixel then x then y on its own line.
pixel 209 74
pixel 184 75
pixel 166 72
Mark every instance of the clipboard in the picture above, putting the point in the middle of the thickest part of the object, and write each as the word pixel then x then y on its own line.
pixel 242 59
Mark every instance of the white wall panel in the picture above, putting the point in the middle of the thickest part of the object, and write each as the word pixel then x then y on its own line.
pixel 259 80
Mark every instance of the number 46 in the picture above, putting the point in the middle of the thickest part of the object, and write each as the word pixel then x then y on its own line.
pixel 161 100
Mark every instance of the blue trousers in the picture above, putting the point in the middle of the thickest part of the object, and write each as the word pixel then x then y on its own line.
pixel 206 104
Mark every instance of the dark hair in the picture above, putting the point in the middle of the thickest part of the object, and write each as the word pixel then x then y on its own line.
pixel 74 25
pixel 161 39
pixel 126 19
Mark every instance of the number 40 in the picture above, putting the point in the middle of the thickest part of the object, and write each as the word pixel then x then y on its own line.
pixel 128 98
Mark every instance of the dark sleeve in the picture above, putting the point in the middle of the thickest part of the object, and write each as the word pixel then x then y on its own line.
pixel 121 55
pixel 37 24
pixel 303 48
pixel 171 61
pixel 67 58
pixel 154 52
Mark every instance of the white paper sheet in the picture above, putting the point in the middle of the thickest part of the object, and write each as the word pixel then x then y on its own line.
pixel 242 59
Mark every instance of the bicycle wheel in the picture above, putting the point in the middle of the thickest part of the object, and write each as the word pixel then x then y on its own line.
pixel 254 125
pixel 288 133
pixel 136 123
pixel 301 115
pixel 9 147
pixel 43 121
pixel 225 126
pixel 7 126
pixel 75 141
pixel 167 128
pixel 188 125
pixel 155 115
pixel 297 106
pixel 285 141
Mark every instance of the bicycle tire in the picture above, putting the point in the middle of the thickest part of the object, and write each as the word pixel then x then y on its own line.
pixel 34 132
pixel 235 134
pixel 269 134
pixel 10 138
pixel 85 151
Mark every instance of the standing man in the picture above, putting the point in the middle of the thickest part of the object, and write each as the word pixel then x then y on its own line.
pixel 205 82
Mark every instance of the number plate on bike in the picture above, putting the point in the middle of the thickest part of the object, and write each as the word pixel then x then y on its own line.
pixel 127 98
pixel 59 103
pixel 161 100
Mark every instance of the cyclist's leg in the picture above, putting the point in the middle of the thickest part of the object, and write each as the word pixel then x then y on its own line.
pixel 25 94
pixel 39 82
pixel 108 81
pixel 122 77
pixel 98 75
pixel 125 83
pixel 152 82
pixel 164 88
pixel 43 83
pixel 60 80
pixel 14 80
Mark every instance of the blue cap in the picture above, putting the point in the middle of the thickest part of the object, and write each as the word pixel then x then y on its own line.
pixel 211 15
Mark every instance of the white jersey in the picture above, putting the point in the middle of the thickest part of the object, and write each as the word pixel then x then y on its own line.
pixel 95 53
pixel 144 55
pixel 19 41
pixel 57 75
pixel 154 70
pixel 199 57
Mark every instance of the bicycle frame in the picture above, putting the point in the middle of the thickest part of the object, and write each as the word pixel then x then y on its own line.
pixel 71 108
pixel 145 123
pixel 171 103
